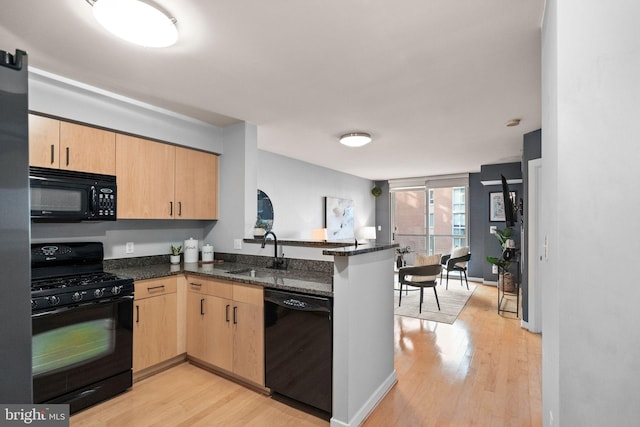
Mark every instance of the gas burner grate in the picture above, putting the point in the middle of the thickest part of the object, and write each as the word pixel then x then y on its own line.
pixel 72 281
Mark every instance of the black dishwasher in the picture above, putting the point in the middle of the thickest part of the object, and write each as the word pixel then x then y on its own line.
pixel 299 347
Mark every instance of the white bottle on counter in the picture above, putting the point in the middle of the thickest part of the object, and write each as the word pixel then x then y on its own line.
pixel 190 250
pixel 207 252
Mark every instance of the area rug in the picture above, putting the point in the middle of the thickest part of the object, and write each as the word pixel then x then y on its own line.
pixel 452 301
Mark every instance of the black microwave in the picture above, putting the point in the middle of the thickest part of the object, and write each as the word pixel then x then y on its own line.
pixel 69 196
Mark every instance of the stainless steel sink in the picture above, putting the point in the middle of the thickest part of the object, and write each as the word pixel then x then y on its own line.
pixel 256 272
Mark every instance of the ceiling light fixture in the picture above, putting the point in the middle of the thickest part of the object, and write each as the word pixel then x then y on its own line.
pixel 513 122
pixel 355 139
pixel 136 21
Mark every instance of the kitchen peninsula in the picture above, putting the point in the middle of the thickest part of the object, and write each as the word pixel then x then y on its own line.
pixel 362 291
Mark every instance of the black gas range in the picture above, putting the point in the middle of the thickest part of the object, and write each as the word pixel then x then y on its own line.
pixel 82 322
pixel 64 274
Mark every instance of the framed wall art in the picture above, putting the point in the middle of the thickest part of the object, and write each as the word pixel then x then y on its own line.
pixel 496 206
pixel 339 219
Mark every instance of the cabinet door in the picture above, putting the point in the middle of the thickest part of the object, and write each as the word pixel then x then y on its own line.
pixel 145 171
pixel 154 330
pixel 87 149
pixel 220 312
pixel 196 190
pixel 248 337
pixel 248 342
pixel 44 141
pixel 197 325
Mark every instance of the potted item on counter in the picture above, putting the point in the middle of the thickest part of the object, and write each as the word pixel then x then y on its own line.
pixel 175 254
pixel 260 228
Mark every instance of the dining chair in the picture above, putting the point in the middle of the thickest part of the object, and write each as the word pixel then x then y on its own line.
pixel 420 276
pixel 456 261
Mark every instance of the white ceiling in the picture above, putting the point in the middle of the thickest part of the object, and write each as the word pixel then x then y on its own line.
pixel 434 82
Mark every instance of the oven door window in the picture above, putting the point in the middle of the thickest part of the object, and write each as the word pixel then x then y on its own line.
pixel 73 345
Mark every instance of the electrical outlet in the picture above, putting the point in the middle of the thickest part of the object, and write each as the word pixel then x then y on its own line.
pixel 494 269
pixel 129 248
pixel 237 243
pixel 379 228
pixel 492 229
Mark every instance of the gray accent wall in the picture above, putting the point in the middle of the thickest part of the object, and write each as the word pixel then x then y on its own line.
pixel 481 242
pixel 478 218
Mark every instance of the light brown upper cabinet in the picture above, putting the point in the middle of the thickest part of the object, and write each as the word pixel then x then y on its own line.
pixel 146 176
pixel 196 190
pixel 63 145
pixel 161 181
pixel 44 142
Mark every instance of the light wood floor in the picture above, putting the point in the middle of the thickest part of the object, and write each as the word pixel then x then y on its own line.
pixel 484 370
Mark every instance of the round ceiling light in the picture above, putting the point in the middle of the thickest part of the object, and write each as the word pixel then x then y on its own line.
pixel 136 21
pixel 355 139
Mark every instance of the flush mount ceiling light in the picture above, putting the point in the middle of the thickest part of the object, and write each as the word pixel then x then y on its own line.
pixel 355 139
pixel 513 122
pixel 136 21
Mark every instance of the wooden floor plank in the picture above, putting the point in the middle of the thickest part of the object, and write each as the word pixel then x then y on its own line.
pixel 484 370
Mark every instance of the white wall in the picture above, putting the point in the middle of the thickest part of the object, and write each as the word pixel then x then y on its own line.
pixel 590 150
pixel 296 189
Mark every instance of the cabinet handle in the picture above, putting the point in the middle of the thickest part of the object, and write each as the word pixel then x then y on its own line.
pixel 202 306
pixel 67 156
pixel 153 288
pixel 227 313
pixel 53 154
pixel 170 208
pixel 196 284
pixel 235 315
pixel 137 313
pixel 179 208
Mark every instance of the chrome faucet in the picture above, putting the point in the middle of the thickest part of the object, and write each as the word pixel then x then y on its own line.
pixel 278 263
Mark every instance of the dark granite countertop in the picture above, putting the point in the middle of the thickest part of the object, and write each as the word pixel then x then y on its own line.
pixel 359 249
pixel 309 282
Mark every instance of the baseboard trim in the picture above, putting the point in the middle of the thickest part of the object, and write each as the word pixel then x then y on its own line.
pixel 369 405
pixel 157 368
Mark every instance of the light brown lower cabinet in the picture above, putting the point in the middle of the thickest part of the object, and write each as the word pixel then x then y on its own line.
pixel 155 323
pixel 225 326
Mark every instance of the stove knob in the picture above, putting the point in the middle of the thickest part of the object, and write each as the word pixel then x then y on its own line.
pixel 53 300
pixel 98 293
pixel 77 296
pixel 116 290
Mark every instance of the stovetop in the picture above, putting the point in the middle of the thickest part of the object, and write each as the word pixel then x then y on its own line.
pixel 66 274
pixel 82 280
pixel 65 291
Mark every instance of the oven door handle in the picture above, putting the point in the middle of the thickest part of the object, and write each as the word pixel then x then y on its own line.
pixel 67 308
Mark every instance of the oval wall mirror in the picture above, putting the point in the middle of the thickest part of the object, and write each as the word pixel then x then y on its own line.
pixel 265 211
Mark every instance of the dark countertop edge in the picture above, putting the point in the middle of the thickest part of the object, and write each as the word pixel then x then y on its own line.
pixel 287 281
pixel 311 243
pixel 360 249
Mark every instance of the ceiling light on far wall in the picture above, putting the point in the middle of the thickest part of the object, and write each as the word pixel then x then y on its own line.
pixel 136 21
pixel 355 139
pixel 513 122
